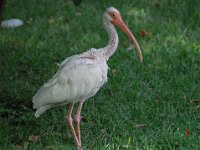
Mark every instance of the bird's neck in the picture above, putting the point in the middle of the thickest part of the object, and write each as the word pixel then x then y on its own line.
pixel 110 49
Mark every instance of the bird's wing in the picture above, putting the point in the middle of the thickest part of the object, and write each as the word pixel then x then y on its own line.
pixel 68 59
pixel 78 78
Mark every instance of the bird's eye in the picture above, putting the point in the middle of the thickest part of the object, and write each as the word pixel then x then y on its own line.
pixel 113 15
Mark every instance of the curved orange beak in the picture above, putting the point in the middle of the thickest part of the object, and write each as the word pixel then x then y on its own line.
pixel 120 23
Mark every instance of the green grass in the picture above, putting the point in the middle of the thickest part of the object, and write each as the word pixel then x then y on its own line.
pixel 158 93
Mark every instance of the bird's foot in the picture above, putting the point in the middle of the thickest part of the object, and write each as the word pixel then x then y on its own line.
pixel 80 147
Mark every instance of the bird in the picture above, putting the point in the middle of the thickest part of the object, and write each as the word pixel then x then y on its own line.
pixel 81 76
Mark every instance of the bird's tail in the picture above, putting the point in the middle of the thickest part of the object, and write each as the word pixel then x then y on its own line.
pixel 41 110
pixel 40 101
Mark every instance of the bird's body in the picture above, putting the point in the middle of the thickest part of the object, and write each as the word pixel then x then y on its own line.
pixel 80 77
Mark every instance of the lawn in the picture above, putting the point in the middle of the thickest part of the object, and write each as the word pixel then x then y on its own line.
pixel 153 105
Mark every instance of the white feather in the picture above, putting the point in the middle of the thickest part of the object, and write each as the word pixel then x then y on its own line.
pixel 78 78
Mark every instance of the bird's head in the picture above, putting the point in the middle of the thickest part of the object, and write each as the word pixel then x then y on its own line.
pixel 113 16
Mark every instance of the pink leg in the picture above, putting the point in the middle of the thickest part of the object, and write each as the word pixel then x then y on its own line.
pixel 69 121
pixel 78 119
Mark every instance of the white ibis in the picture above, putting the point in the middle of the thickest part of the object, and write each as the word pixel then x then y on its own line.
pixel 79 77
